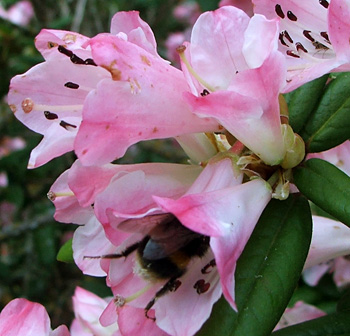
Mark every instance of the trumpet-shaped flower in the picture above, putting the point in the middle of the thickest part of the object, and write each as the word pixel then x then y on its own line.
pixel 314 36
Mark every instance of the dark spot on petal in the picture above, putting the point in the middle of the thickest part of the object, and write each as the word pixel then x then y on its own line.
pixel 84 151
pixel 175 285
pixel 205 92
pixel 66 125
pixel 208 267
pixel 201 286
pixel 287 36
pixel 324 3
pixel 282 40
pixel 306 33
pixel 279 11
pixel 90 61
pixel 71 85
pixel 291 53
pixel 291 16
pixel 325 36
pixel 299 47
pixel 50 116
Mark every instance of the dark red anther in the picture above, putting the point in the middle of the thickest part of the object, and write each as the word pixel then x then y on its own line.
pixel 279 11
pixel 90 61
pixel 65 51
pixel 282 40
pixel 208 267
pixel 325 36
pixel 76 59
pixel 175 286
pixel 287 36
pixel 204 93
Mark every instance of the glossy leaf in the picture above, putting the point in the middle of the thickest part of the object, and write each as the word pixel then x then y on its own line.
pixel 303 101
pixel 329 125
pixel 65 254
pixel 270 265
pixel 330 325
pixel 325 185
pixel 220 321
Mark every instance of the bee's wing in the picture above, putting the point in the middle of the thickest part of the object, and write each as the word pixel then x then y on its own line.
pixel 166 240
pixel 144 224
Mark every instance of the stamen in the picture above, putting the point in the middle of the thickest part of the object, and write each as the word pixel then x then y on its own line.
pixel 181 51
pixel 281 40
pixel 120 300
pixel 291 16
pixel 325 36
pixel 27 105
pixel 53 195
pixel 205 93
pixel 279 11
pixel 90 61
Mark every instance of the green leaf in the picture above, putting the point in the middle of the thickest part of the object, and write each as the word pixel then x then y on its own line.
pixel 220 321
pixel 325 185
pixel 330 325
pixel 270 265
pixel 344 302
pixel 329 124
pixel 302 102
pixel 65 254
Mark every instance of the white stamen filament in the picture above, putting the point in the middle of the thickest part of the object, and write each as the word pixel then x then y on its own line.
pixel 193 72
pixel 138 293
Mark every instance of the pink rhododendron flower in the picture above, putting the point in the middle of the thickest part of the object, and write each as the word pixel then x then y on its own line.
pixel 314 36
pixel 299 313
pixel 187 11
pixel 22 317
pixel 210 198
pixel 20 13
pixel 9 145
pixel 88 308
pixel 244 79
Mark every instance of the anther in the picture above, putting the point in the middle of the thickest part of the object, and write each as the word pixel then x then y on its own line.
pixel 175 286
pixel 64 51
pixel 291 16
pixel 51 196
pixel 27 105
pixel 50 116
pixel 279 11
pixel 291 53
pixel 66 125
pixel 119 301
pixel 76 59
pixel 324 3
pixel 71 85
pixel 299 47
pixel 208 268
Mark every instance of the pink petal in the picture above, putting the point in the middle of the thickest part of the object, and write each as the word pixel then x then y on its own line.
pixel 251 110
pixel 342 272
pixel 301 312
pixel 133 103
pixel 137 30
pixel 330 239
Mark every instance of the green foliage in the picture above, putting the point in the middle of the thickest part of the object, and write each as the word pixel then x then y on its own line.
pixel 65 254
pixel 325 185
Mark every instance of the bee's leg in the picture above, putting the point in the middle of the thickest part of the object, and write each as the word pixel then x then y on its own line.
pixel 171 286
pixel 124 253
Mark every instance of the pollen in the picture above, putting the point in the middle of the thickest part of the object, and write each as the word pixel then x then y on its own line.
pixel 145 60
pixel 119 301
pixel 27 105
pixel 51 196
pixel 69 38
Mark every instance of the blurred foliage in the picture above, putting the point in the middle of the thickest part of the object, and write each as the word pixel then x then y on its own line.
pixel 29 237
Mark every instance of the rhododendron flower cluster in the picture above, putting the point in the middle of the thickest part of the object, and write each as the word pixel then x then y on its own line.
pixel 168 236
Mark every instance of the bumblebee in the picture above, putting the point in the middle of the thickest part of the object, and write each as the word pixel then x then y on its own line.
pixel 165 252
